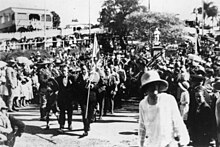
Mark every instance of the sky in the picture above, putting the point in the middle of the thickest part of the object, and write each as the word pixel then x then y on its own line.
pixel 71 9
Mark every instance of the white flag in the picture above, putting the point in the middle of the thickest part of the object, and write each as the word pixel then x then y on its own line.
pixel 95 51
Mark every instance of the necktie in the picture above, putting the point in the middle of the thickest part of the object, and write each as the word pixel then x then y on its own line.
pixel 65 81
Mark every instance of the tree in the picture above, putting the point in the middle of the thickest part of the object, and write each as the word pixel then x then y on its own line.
pixel 114 14
pixel 143 24
pixel 210 11
pixel 56 19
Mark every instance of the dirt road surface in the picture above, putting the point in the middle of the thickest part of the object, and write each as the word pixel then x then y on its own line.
pixel 115 130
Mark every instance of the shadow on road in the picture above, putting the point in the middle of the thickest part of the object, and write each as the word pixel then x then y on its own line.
pixel 114 121
pixel 135 132
pixel 38 130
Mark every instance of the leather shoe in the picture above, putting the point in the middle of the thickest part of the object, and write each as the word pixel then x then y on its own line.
pixel 9 110
pixel 43 119
pixel 47 127
pixel 15 109
pixel 70 127
pixel 60 131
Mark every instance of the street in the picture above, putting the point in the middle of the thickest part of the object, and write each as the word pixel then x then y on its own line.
pixel 115 130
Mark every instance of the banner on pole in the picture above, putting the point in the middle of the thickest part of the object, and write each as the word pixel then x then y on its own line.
pixel 95 50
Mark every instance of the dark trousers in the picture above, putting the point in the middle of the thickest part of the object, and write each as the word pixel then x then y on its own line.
pixel 90 114
pixel 62 117
pixel 101 102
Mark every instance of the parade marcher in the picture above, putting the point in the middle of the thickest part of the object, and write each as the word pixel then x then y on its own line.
pixel 112 87
pixel 87 87
pixel 121 86
pixel 160 122
pixel 44 75
pixel 12 83
pixel 101 94
pixel 203 129
pixel 52 92
pixel 65 97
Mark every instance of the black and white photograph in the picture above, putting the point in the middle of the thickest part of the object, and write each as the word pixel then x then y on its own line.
pixel 110 73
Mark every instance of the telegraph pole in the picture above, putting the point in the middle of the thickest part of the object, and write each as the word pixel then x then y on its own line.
pixel 89 25
pixel 203 17
pixel 45 38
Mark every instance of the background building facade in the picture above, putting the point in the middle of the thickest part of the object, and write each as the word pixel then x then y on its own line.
pixel 15 19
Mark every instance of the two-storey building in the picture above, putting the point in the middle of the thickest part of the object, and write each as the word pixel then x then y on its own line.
pixel 15 19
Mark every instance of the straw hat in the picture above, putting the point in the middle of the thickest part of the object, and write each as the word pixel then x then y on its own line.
pixel 152 76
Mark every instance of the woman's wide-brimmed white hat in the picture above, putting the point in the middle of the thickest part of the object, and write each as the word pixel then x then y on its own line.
pixel 152 76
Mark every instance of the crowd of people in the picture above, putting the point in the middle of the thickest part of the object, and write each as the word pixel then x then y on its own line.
pixel 97 86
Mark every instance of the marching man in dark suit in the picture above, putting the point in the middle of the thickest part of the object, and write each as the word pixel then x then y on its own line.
pixel 65 97
pixel 87 86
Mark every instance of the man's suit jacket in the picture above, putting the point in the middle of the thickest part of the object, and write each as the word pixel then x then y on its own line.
pixel 66 93
pixel 204 125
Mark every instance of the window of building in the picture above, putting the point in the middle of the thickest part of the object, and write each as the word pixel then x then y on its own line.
pixel 42 17
pixel 8 17
pixel 2 19
pixel 34 17
pixel 48 17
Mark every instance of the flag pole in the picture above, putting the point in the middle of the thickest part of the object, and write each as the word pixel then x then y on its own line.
pixel 45 38
pixel 87 102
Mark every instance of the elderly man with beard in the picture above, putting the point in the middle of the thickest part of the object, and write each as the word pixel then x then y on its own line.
pixel 160 122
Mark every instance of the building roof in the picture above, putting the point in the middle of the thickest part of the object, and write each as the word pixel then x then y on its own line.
pixel 21 9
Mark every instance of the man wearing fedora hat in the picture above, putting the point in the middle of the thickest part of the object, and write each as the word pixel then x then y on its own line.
pixel 159 117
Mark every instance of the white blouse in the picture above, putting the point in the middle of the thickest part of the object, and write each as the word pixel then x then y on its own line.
pixel 162 122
